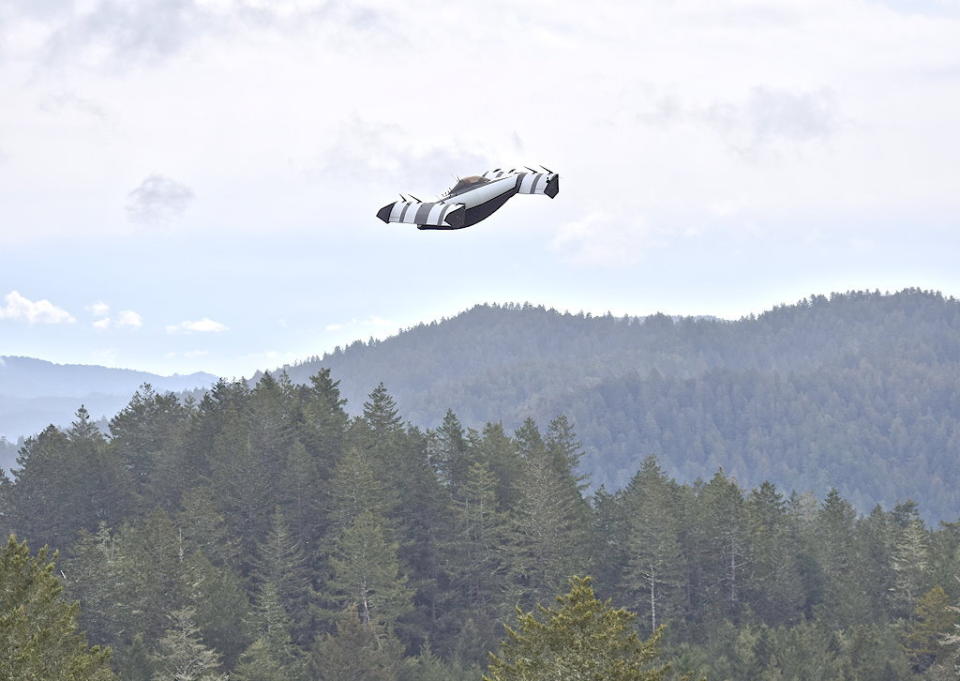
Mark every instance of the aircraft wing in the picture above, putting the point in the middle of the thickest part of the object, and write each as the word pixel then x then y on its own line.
pixel 529 181
pixel 430 213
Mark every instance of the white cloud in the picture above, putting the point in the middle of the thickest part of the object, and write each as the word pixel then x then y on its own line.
pixel 129 318
pixel 158 200
pixel 769 117
pixel 99 309
pixel 205 325
pixel 602 239
pixel 19 308
pixel 124 318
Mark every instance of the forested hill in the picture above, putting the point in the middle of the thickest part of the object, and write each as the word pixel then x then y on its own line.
pixel 854 390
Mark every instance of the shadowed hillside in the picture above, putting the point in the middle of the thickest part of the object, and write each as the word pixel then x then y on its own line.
pixel 854 390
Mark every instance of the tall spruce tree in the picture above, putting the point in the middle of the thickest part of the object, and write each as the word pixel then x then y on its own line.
pixel 281 568
pixel 367 574
pixel 547 530
pixel 655 571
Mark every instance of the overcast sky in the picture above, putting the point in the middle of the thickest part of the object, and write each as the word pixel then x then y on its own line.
pixel 192 184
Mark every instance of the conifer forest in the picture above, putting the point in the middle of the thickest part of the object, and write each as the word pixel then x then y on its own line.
pixel 260 532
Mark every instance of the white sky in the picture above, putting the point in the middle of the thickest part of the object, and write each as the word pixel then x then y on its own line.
pixel 191 184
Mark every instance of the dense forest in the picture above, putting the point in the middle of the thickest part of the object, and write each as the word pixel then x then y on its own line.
pixel 855 391
pixel 265 533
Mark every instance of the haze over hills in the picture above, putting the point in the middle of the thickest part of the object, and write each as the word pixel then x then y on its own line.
pixel 855 391
pixel 35 393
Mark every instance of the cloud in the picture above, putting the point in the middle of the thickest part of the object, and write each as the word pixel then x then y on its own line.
pixel 121 33
pixel 99 309
pixel 129 318
pixel 762 121
pixel 365 149
pixel 205 325
pixel 18 308
pixel 124 318
pixel 158 200
pixel 769 116
pixel 602 239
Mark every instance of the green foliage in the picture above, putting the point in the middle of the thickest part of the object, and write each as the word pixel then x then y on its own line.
pixel 359 650
pixel 367 574
pixel 182 656
pixel 934 621
pixel 305 545
pixel 39 638
pixel 581 638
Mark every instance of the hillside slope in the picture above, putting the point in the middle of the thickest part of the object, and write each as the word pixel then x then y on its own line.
pixel 858 389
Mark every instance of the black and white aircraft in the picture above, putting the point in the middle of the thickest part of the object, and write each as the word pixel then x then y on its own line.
pixel 471 199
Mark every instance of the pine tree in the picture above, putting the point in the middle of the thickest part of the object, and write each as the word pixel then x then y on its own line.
pixel 772 583
pixel 910 561
pixel 355 488
pixel 93 576
pixel 477 566
pixel 933 622
pixel 548 529
pixel 655 570
pixel 280 563
pixel 367 574
pixel 39 637
pixel 449 452
pixel 144 437
pixel 356 652
pixel 580 638
pixel 182 656
pixel 722 547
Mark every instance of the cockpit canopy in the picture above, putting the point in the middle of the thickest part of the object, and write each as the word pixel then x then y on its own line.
pixel 465 183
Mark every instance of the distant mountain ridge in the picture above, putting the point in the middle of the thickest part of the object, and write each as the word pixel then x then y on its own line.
pixel 857 390
pixel 35 393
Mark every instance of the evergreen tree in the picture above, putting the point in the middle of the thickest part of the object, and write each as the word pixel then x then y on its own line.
pixel 281 567
pixel 656 570
pixel 182 656
pixel 367 574
pixel 145 437
pixel 449 453
pixel 548 529
pixel 722 546
pixel 927 640
pixel 910 561
pixel 356 652
pixel 773 582
pixel 39 637
pixel 580 638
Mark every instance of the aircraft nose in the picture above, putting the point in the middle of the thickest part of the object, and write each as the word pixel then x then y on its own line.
pixel 384 213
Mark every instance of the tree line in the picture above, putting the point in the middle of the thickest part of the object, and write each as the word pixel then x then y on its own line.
pixel 261 532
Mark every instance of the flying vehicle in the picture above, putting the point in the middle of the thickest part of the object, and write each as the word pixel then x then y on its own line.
pixel 471 199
